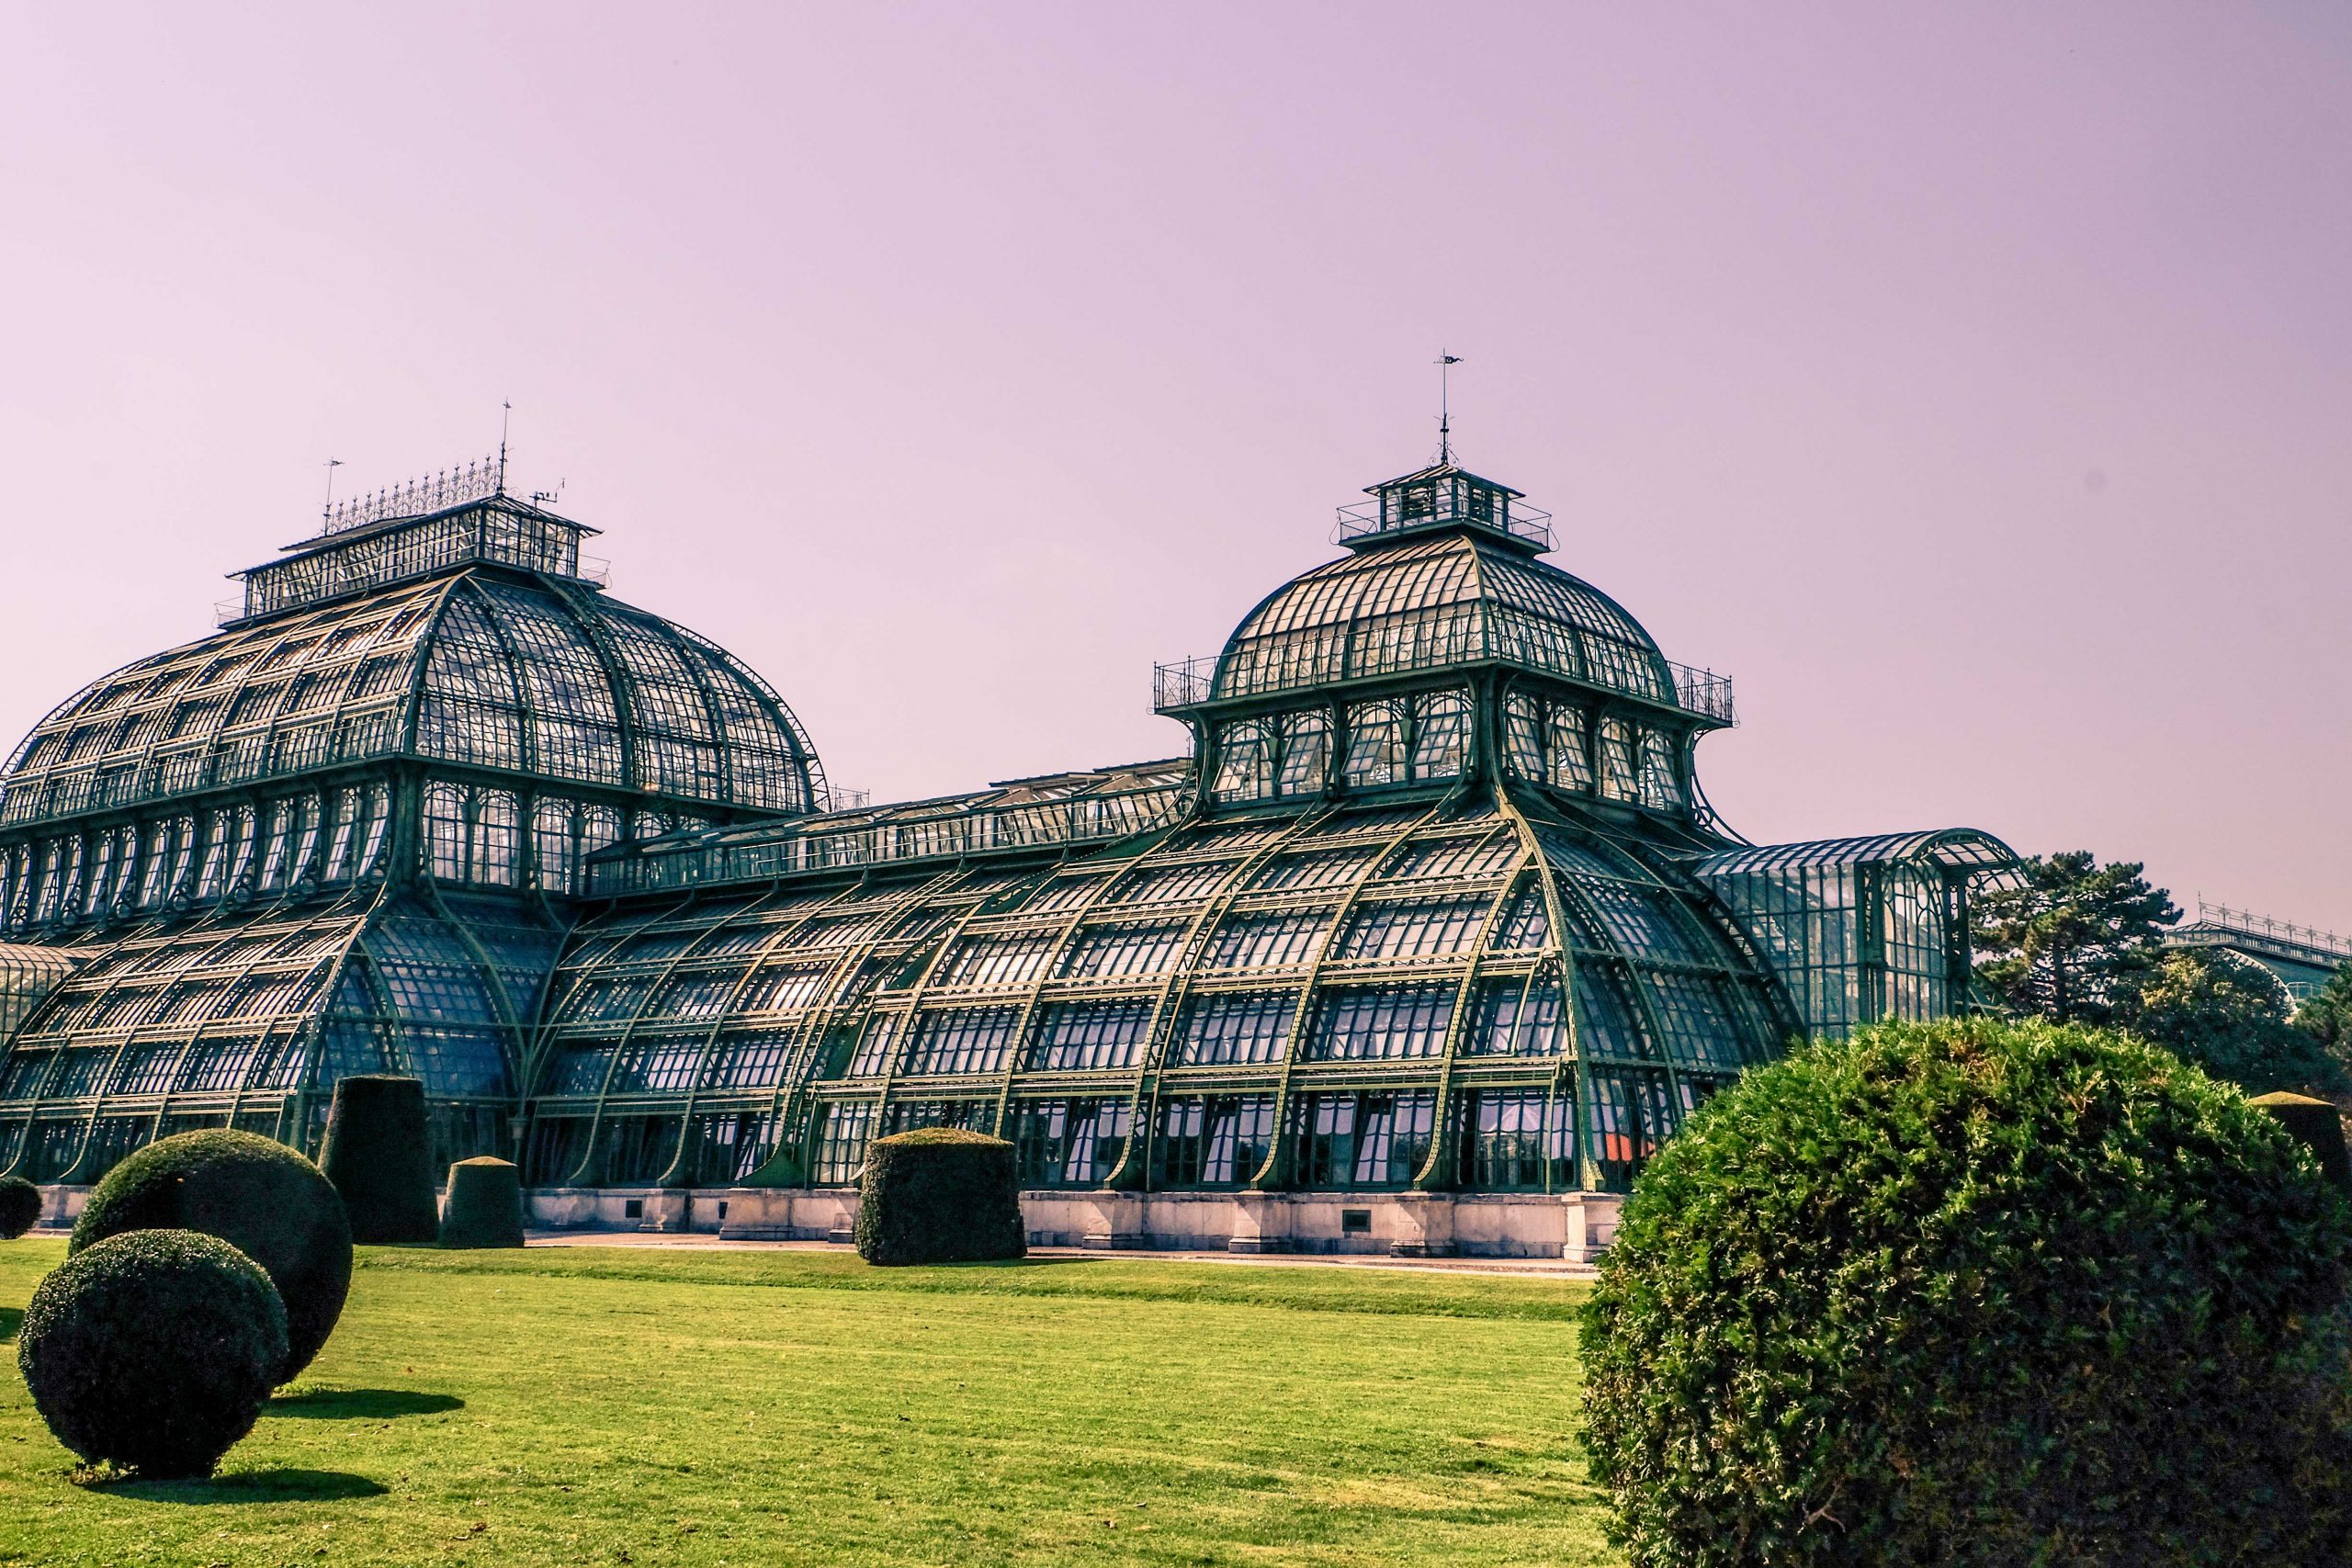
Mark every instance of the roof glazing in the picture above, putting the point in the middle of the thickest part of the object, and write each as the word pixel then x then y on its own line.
pixel 478 667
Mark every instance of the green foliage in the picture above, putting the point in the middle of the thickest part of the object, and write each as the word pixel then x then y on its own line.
pixel 2227 1014
pixel 153 1350
pixel 20 1206
pixel 1976 1294
pixel 2326 1017
pixel 376 1154
pixel 2056 946
pixel 940 1195
pixel 485 1204
pixel 260 1197
pixel 2319 1127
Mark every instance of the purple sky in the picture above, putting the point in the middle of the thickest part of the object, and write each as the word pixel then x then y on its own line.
pixel 1973 384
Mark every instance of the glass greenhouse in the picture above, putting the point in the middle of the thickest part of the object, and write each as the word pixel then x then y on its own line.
pixel 1432 903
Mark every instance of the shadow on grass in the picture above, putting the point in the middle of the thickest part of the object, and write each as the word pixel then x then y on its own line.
pixel 11 1320
pixel 249 1486
pixel 360 1403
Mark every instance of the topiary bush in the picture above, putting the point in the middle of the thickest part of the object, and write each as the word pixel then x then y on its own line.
pixel 940 1195
pixel 20 1206
pixel 154 1350
pixel 2318 1126
pixel 376 1154
pixel 1975 1293
pixel 260 1197
pixel 485 1204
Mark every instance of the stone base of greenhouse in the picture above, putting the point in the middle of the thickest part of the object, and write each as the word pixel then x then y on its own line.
pixel 1575 1225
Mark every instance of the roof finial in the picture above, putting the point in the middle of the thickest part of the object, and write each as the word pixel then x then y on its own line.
pixel 506 407
pixel 1445 362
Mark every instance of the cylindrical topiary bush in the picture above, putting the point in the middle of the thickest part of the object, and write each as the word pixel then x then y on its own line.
pixel 260 1197
pixel 20 1206
pixel 1975 1293
pixel 485 1204
pixel 376 1154
pixel 940 1195
pixel 2318 1126
pixel 153 1350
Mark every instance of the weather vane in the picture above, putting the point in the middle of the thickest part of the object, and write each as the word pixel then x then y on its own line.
pixel 328 506
pixel 1445 363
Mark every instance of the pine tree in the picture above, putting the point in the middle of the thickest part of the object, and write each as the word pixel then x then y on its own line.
pixel 2064 942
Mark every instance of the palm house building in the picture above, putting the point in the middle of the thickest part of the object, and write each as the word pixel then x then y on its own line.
pixel 1423 943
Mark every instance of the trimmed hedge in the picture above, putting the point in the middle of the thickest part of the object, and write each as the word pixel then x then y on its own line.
pixel 154 1350
pixel 257 1195
pixel 376 1154
pixel 20 1206
pixel 1975 1293
pixel 2318 1126
pixel 485 1204
pixel 940 1195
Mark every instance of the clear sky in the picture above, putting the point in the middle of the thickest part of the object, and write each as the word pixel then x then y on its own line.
pixel 1972 383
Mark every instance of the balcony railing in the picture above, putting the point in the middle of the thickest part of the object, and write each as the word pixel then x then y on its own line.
pixel 1375 518
pixel 819 845
pixel 1187 683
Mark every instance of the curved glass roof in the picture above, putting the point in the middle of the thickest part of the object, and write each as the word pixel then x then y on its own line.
pixel 477 667
pixel 1953 848
pixel 1428 602
pixel 237 1012
pixel 1263 954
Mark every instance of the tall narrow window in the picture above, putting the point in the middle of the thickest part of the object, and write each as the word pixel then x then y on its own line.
pixel 1246 763
pixel 1306 754
pixel 496 831
pixel 444 832
pixel 1617 781
pixel 1376 744
pixel 1440 735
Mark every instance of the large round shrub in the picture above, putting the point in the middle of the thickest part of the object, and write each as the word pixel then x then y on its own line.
pixel 485 1204
pixel 260 1197
pixel 1975 1293
pixel 940 1195
pixel 154 1349
pixel 20 1206
pixel 376 1154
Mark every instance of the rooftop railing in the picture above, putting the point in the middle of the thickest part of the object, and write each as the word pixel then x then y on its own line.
pixel 502 533
pixel 2240 923
pixel 822 844
pixel 1375 516
pixel 414 498
pixel 1187 683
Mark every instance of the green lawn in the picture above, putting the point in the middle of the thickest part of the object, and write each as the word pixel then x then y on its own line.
pixel 582 1406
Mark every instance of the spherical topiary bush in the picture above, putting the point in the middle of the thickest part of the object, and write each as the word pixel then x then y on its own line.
pixel 154 1349
pixel 485 1204
pixel 20 1206
pixel 376 1154
pixel 940 1195
pixel 1975 1293
pixel 260 1197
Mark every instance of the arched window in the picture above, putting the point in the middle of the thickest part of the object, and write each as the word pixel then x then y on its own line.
pixel 1440 735
pixel 496 834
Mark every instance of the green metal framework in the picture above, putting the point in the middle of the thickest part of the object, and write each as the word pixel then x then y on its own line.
pixel 345 834
pixel 1433 902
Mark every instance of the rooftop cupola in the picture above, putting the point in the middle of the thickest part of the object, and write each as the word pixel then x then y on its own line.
pixel 1444 497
